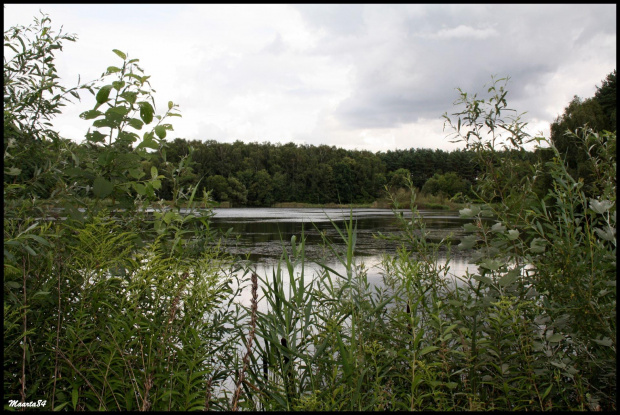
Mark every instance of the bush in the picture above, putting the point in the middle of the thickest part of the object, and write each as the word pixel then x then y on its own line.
pixel 446 185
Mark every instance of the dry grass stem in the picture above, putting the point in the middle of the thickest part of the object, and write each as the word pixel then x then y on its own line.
pixel 246 358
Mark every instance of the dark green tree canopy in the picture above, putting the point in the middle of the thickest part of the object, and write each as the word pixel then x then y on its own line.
pixel 606 97
pixel 598 113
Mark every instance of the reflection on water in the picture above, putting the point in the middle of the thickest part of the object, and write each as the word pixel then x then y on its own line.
pixel 262 233
pixel 371 264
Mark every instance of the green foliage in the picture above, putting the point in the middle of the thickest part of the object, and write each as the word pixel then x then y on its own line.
pixel 275 173
pixel 33 95
pixel 510 336
pixel 448 185
pixel 606 97
pixel 107 309
pixel 599 114
pixel 556 250
pixel 123 107
pixel 399 178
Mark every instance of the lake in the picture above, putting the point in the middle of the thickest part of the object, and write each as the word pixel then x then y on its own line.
pixel 260 232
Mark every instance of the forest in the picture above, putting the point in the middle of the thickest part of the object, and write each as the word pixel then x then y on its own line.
pixel 117 299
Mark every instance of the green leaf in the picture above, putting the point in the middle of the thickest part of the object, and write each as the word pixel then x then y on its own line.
pixel 160 130
pixel 537 245
pixel 603 342
pixel 136 173
pixel 12 284
pixel 103 94
pixel 510 277
pixel 606 234
pixel 41 293
pixel 117 112
pixel 428 349
pixel 147 142
pixel 135 123
pixel 153 172
pixel 62 405
pixel 120 54
pixel 105 122
pixel 89 115
pixel 470 227
pixel 112 69
pixel 146 112
pixel 102 188
pixel 38 239
pixel 170 105
pixel 105 159
pixel 600 206
pixel 555 338
pixel 130 96
pixel 486 212
pixel 498 227
pixel 140 188
pixel 128 137
pixel 467 242
pixel 491 264
pixel 74 396
pixel 118 85
pixel 13 171
pixel 484 280
pixel 95 137
pixel 168 217
pixel 513 234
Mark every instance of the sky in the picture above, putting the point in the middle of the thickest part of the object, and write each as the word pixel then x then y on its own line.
pixel 366 77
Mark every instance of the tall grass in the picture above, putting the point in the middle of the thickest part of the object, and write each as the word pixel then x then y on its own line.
pixel 115 328
pixel 97 318
pixel 489 341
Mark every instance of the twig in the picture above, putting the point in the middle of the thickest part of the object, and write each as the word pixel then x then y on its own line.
pixel 57 342
pixel 147 387
pixel 208 394
pixel 246 358
pixel 23 379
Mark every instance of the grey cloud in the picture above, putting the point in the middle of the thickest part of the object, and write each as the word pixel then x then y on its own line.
pixel 414 77
pixel 336 19
pixel 277 46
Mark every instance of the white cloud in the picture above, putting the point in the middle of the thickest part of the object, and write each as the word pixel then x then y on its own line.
pixel 463 31
pixel 357 76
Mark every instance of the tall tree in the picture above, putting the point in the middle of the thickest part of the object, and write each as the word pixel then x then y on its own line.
pixel 606 97
pixel 597 113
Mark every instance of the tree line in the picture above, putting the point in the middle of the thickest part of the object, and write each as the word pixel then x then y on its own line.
pixel 256 174
pixel 262 174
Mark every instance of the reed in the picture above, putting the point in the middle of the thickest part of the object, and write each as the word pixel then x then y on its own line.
pixel 246 357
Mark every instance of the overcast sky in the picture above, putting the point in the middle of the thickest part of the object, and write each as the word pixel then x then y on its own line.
pixel 373 77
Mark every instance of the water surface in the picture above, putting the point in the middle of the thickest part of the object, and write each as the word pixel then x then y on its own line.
pixel 262 233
